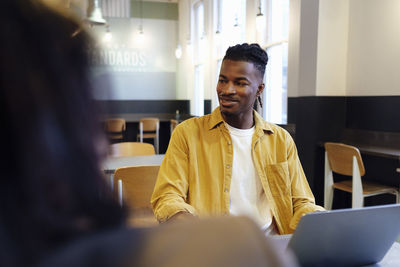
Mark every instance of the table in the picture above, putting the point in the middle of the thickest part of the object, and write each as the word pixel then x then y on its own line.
pixel 386 152
pixel 391 259
pixel 376 143
pixel 378 151
pixel 373 150
pixel 112 164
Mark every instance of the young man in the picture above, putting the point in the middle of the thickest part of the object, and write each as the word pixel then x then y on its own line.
pixel 232 161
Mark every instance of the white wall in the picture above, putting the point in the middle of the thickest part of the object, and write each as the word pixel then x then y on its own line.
pixel 332 47
pixel 184 69
pixel 303 39
pixel 374 48
pixel 294 48
pixel 344 47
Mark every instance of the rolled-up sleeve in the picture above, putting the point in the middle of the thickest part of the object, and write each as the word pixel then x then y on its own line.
pixel 170 191
pixel 302 197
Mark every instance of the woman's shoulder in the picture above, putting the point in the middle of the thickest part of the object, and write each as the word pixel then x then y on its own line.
pixel 224 241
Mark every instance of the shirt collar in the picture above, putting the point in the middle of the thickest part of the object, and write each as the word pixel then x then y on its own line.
pixel 216 119
pixel 261 123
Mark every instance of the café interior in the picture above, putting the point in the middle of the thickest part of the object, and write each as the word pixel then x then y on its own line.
pixel 332 77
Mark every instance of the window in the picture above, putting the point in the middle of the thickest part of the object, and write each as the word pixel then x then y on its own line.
pixel 233 17
pixel 215 102
pixel 275 93
pixel 276 38
pixel 230 18
pixel 199 55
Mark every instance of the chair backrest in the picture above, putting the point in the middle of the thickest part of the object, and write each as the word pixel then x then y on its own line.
pixel 115 125
pixel 126 149
pixel 340 157
pixel 135 186
pixel 150 124
pixel 173 124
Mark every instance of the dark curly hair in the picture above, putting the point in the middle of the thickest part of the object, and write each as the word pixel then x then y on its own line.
pixel 52 190
pixel 250 53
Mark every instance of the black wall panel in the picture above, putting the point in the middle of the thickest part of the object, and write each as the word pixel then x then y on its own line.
pixel 319 119
pixel 377 113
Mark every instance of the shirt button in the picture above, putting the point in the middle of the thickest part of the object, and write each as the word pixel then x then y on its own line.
pixel 229 143
pixel 226 190
pixel 228 166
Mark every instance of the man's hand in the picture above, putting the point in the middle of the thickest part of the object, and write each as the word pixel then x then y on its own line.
pixel 182 216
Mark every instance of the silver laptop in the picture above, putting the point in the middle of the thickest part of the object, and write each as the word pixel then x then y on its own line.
pixel 349 237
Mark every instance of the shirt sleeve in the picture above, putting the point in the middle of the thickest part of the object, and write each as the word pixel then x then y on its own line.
pixel 302 197
pixel 170 191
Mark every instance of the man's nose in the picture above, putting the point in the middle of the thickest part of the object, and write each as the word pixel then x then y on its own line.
pixel 229 88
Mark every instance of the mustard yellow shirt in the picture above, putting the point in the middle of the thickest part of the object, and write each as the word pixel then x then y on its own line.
pixel 196 172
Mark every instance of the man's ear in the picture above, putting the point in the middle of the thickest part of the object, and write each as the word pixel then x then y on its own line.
pixel 260 89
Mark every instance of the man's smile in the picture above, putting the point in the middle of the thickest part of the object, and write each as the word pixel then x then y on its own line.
pixel 227 101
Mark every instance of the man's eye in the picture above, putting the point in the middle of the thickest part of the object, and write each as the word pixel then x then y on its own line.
pixel 222 81
pixel 241 84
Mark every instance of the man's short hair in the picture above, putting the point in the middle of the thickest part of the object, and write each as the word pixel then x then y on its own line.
pixel 252 53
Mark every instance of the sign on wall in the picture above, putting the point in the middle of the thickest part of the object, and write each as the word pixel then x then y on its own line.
pixel 136 65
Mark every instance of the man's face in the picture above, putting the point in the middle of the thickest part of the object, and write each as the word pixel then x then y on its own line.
pixel 238 86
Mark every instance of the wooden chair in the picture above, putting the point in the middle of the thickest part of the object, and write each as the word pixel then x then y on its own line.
pixel 149 128
pixel 134 187
pixel 346 160
pixel 172 125
pixel 126 149
pixel 115 128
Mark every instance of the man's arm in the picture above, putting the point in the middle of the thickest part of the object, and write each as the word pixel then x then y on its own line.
pixel 170 191
pixel 302 197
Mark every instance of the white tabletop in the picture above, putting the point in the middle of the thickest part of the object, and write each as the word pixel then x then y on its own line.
pixel 391 259
pixel 112 164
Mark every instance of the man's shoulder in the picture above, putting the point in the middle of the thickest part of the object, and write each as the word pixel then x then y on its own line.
pixel 277 128
pixel 272 128
pixel 280 131
pixel 196 122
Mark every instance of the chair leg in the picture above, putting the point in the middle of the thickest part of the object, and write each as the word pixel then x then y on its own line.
pixel 328 185
pixel 141 132
pixel 112 182
pixel 329 200
pixel 158 138
pixel 357 195
pixel 120 192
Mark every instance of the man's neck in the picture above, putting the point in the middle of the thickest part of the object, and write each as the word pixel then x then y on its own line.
pixel 240 121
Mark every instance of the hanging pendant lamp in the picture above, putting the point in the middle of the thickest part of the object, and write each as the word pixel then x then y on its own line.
pixel 94 15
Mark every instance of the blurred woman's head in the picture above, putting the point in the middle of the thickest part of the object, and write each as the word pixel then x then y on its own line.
pixel 51 187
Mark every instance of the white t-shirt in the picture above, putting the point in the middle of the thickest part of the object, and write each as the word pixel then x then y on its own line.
pixel 247 195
